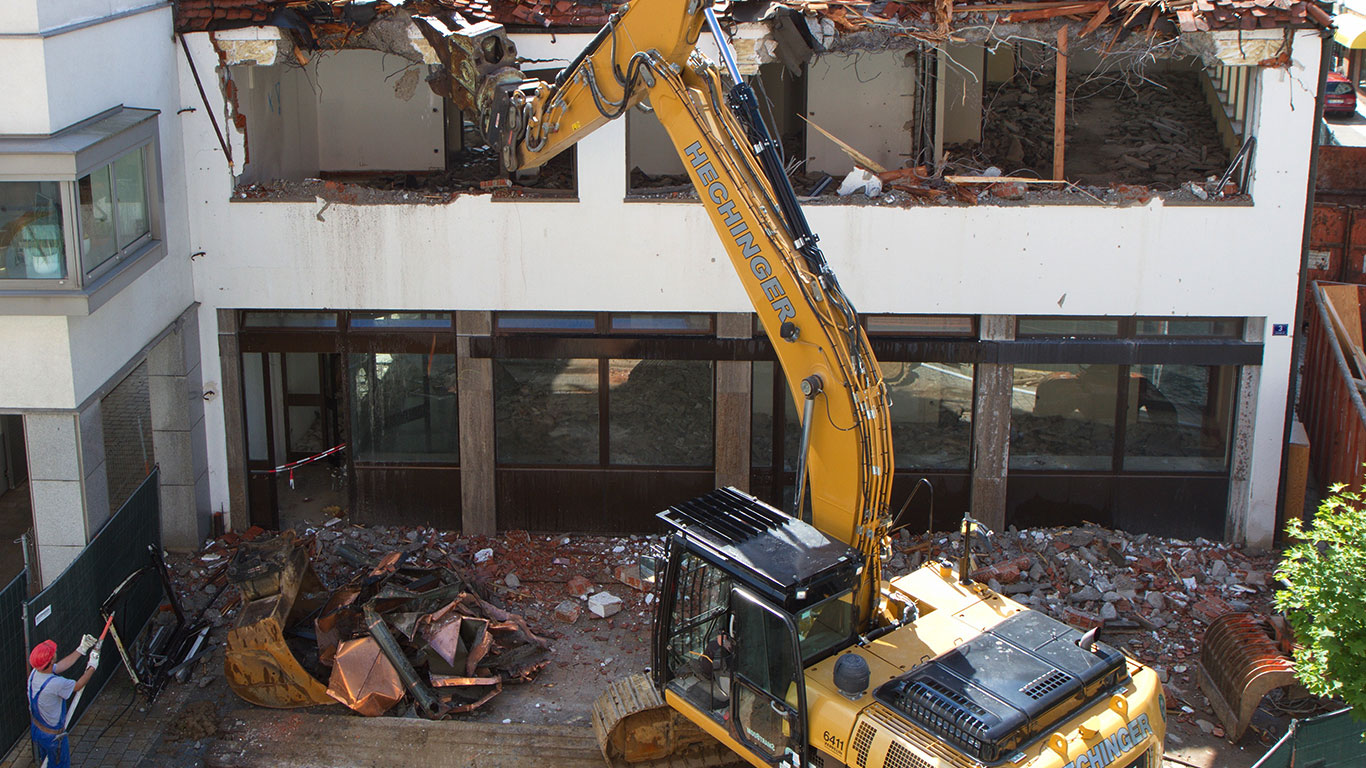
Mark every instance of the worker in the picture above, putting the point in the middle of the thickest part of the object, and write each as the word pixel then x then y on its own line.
pixel 49 694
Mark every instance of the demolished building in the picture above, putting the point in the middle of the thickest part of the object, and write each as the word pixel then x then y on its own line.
pixel 1074 231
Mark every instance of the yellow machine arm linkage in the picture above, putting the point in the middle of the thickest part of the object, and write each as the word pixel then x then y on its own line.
pixel 648 51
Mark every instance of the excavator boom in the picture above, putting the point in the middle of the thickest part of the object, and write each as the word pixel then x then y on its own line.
pixel 775 634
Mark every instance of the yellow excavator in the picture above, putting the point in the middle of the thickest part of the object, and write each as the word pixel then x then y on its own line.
pixel 777 638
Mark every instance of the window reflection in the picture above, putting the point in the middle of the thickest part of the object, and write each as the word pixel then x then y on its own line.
pixel 403 407
pixel 546 411
pixel 1063 416
pixel 1179 417
pixel 95 197
pixel 931 411
pixel 660 412
pixel 31 238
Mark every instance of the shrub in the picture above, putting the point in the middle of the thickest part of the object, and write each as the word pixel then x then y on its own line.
pixel 1326 600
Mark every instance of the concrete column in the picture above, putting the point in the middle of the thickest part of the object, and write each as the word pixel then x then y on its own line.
pixel 733 381
pixel 55 483
pixel 1240 459
pixel 234 421
pixel 175 389
pixel 94 475
pixel 478 500
pixel 991 428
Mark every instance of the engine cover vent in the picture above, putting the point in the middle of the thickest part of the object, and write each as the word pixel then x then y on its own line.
pixel 993 693
pixel 900 757
pixel 863 741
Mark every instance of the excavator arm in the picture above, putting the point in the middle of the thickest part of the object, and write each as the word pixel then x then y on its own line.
pixel 647 51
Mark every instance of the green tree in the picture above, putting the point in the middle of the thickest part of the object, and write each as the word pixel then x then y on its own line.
pixel 1326 600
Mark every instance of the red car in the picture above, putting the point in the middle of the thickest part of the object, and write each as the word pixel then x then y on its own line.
pixel 1341 96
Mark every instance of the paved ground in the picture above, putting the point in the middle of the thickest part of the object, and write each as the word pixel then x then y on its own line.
pixel 1349 131
pixel 201 723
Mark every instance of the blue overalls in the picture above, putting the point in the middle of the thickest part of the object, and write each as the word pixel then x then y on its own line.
pixel 49 741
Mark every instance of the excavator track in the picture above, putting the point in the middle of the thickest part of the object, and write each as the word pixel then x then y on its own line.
pixel 637 729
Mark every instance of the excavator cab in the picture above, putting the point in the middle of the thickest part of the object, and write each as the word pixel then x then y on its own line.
pixel 750 597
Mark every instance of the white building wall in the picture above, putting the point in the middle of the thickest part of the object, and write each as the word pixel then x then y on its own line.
pixel 65 61
pixel 603 254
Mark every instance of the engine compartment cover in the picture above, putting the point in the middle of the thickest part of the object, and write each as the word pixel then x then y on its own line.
pixel 996 691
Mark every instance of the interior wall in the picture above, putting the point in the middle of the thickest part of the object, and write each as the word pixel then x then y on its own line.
pixel 966 69
pixel 376 113
pixel 648 146
pixel 282 122
pixel 867 100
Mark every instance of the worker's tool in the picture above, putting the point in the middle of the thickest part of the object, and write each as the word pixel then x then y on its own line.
pixel 76 699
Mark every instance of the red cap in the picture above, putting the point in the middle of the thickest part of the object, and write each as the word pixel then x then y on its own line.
pixel 42 654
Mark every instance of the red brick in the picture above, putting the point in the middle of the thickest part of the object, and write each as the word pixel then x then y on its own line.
pixel 579 586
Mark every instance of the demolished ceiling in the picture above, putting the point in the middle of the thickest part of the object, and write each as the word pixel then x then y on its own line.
pixel 327 24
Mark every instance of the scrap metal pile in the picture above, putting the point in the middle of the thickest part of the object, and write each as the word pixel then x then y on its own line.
pixel 415 622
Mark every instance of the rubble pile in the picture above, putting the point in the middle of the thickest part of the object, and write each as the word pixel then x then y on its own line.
pixel 1159 133
pixel 1151 596
pixel 471 614
pixel 473 171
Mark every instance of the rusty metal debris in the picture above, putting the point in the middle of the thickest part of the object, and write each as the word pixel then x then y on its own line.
pixel 394 628
pixel 1240 663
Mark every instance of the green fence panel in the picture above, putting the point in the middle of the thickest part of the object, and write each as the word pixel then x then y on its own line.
pixel 1282 755
pixel 1330 741
pixel 70 605
pixel 13 662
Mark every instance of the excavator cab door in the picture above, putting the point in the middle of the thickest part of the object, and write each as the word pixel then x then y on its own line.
pixel 768 692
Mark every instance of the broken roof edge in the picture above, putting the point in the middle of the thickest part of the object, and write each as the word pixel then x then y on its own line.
pixel 830 18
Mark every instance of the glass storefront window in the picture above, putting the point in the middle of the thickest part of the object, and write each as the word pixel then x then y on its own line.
pixel 660 322
pixel 1067 326
pixel 1179 418
pixel 918 325
pixel 404 407
pixel 400 320
pixel 32 246
pixel 660 412
pixel 289 320
pixel 1224 328
pixel 1063 416
pixel 762 426
pixel 931 409
pixel 545 322
pixel 546 411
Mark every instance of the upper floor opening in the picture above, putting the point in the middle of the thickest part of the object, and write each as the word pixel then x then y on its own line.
pixel 991 105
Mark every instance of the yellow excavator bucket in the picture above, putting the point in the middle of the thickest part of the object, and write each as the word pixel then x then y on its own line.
pixel 258 664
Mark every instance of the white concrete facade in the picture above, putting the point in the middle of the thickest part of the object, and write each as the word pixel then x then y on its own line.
pixel 600 252
pixel 66 61
pixel 475 253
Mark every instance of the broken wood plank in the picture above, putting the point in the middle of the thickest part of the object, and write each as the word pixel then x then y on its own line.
pixel 860 159
pixel 1060 104
pixel 1076 9
pixel 1000 179
pixel 1009 7
pixel 1096 21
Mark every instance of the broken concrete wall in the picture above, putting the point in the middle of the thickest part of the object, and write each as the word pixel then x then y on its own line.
pixel 648 146
pixel 375 113
pixel 282 122
pixel 963 70
pixel 867 100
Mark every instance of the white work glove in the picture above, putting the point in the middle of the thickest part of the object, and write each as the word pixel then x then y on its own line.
pixel 87 642
pixel 94 659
